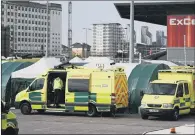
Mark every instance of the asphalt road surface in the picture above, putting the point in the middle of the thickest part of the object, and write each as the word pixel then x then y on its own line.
pixel 78 123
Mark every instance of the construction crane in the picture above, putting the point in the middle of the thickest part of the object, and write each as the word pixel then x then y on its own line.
pixel 70 30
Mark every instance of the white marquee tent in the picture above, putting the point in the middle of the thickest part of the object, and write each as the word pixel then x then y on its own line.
pixel 169 63
pixel 76 60
pixel 37 68
pixel 98 59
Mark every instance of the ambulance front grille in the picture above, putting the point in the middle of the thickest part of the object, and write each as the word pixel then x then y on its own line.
pixel 154 105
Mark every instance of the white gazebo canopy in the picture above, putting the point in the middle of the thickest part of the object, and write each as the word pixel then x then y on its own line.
pixel 37 68
pixel 97 59
pixel 76 60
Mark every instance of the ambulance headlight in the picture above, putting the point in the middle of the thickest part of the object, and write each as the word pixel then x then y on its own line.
pixel 143 104
pixel 167 105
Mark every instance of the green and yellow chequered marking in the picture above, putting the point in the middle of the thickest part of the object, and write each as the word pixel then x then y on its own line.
pixel 78 101
pixel 182 104
pixel 13 121
pixel 3 121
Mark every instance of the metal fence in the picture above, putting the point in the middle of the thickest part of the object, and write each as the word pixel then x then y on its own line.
pixel 179 62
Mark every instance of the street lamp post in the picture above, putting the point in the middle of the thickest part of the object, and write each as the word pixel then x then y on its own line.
pixel 123 48
pixel 46 55
pixel 131 45
pixel 86 29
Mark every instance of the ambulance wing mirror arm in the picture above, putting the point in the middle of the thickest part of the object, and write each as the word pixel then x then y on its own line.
pixel 29 88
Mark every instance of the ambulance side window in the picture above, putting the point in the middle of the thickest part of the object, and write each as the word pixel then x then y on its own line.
pixel 186 89
pixel 33 86
pixel 40 84
pixel 37 85
pixel 180 90
pixel 78 85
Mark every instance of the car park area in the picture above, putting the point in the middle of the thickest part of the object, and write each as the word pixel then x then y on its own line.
pixel 79 123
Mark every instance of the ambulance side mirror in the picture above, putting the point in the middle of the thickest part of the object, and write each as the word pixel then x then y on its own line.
pixel 141 93
pixel 7 108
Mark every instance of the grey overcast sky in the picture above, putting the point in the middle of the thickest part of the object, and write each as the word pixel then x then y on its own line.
pixel 86 13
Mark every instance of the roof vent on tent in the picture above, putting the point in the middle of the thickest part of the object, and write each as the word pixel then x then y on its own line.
pixel 113 63
pixel 61 66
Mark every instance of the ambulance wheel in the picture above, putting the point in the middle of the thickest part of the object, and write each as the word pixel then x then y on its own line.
pixel 144 117
pixel 10 131
pixel 41 111
pixel 26 109
pixel 175 115
pixel 92 111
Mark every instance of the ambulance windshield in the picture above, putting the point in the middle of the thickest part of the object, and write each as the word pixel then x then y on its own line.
pixel 161 89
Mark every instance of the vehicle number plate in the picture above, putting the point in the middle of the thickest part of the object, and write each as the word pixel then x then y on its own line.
pixel 153 110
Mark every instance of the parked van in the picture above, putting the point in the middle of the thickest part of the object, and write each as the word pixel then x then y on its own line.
pixel 173 94
pixel 9 124
pixel 85 90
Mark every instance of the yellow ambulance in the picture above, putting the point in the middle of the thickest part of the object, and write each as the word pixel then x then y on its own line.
pixel 85 90
pixel 9 124
pixel 172 95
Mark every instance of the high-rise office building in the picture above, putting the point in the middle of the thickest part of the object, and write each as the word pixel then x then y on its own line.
pixel 28 26
pixel 107 39
pixel 146 36
pixel 161 39
pixel 5 41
